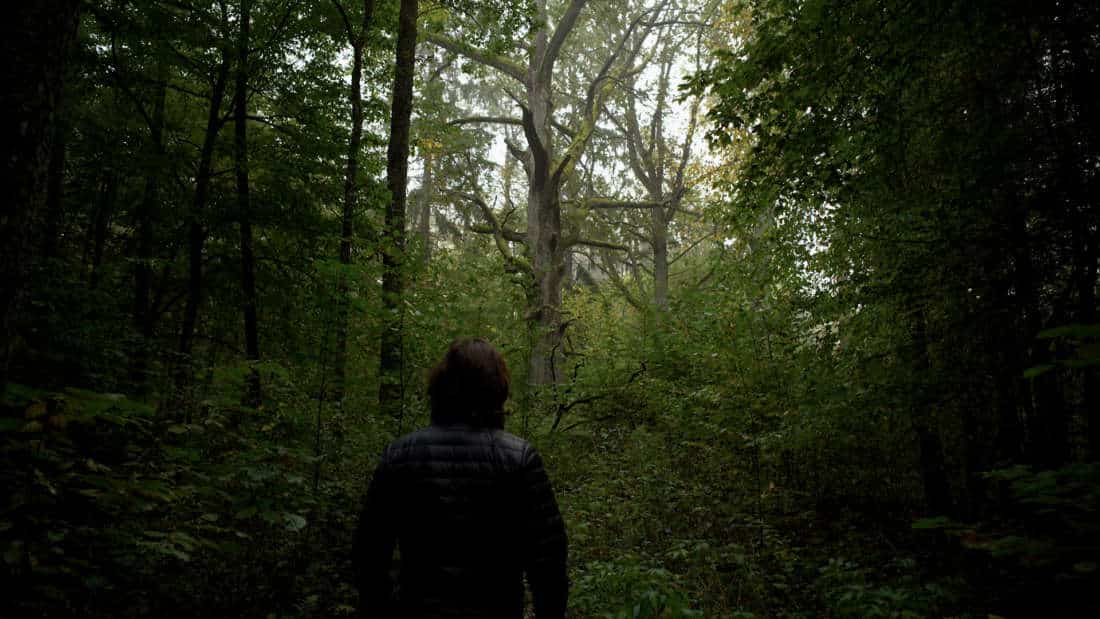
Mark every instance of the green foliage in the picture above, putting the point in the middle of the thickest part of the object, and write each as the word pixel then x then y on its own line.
pixel 850 591
pixel 630 591
pixel 872 394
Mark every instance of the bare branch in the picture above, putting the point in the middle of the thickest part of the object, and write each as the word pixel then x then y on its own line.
pixel 570 242
pixel 516 151
pixel 617 281
pixel 352 39
pixel 500 63
pixel 500 235
pixel 691 246
pixel 499 120
pixel 613 203
pixel 596 92
pixel 561 31
pixel 514 236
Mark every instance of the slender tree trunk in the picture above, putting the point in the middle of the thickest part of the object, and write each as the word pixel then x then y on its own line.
pixel 933 470
pixel 55 189
pixel 397 168
pixel 143 316
pixel 101 224
pixel 1087 315
pixel 196 234
pixel 347 225
pixel 253 396
pixel 1091 387
pixel 660 260
pixel 1048 422
pixel 1083 139
pixel 36 42
pixel 427 197
pixel 351 200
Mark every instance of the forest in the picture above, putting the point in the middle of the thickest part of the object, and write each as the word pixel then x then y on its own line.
pixel 799 297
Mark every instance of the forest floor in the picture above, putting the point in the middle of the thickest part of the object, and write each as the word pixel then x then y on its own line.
pixel 664 528
pixel 234 515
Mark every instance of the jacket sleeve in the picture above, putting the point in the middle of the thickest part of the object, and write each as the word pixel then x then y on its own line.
pixel 544 541
pixel 373 545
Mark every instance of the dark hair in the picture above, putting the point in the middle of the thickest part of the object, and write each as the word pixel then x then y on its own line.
pixel 469 385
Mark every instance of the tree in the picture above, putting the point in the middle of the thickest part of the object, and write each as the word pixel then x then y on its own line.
pixel 659 165
pixel 393 231
pixel 357 40
pixel 546 166
pixel 197 227
pixel 38 39
pixel 905 163
pixel 244 206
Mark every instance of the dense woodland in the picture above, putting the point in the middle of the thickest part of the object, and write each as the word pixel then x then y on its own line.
pixel 799 296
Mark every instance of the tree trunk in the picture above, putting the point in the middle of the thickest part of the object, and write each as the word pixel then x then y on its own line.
pixel 397 168
pixel 143 316
pixel 253 395
pixel 101 224
pixel 427 197
pixel 544 177
pixel 196 235
pixel 55 190
pixel 933 470
pixel 1091 387
pixel 660 260
pixel 36 42
pixel 351 199
pixel 543 225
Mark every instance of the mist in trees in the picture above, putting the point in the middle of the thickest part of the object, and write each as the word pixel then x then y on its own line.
pixel 799 298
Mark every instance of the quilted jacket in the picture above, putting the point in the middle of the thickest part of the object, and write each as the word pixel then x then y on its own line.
pixel 471 512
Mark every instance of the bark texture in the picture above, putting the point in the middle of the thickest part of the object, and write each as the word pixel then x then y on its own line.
pixel 37 39
pixel 253 394
pixel 351 194
pixel 196 235
pixel 393 241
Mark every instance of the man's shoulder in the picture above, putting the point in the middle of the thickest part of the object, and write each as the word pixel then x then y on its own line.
pixel 456 437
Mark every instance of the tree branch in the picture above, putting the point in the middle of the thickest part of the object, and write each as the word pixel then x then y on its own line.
pixel 500 235
pixel 498 120
pixel 572 241
pixel 618 282
pixel 514 236
pixel 561 31
pixel 352 39
pixel 690 247
pixel 613 203
pixel 500 63
pixel 595 94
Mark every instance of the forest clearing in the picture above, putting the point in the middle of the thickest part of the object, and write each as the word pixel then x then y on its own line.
pixel 798 297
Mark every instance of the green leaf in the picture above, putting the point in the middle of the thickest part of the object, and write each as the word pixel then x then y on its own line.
pixel 1073 331
pixel 1085 567
pixel 937 522
pixel 1038 370
pixel 294 522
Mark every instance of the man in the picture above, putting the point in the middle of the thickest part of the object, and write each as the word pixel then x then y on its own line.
pixel 468 505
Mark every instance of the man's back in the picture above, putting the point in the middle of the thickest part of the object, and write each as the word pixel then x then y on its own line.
pixel 471 510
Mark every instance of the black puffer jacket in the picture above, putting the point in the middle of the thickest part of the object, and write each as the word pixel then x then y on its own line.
pixel 472 511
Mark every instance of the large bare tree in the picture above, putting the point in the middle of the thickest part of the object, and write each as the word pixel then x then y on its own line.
pixel 547 165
